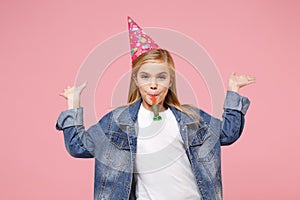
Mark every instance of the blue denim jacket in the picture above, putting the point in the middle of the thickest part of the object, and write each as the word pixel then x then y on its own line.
pixel 112 142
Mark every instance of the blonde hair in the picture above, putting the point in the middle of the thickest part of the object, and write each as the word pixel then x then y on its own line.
pixel 171 99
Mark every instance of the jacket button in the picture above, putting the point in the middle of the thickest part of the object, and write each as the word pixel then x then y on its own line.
pixel 200 182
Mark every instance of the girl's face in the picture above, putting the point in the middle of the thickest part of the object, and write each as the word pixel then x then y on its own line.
pixel 153 79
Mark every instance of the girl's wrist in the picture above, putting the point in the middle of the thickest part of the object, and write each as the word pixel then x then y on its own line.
pixel 73 104
pixel 233 88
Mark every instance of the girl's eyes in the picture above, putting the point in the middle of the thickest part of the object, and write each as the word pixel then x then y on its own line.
pixel 160 77
pixel 144 76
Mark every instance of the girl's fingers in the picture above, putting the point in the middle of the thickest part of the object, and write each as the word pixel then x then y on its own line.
pixel 251 79
pixel 62 94
pixel 83 85
pixel 72 90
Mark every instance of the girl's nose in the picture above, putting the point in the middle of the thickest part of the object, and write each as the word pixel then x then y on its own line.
pixel 153 85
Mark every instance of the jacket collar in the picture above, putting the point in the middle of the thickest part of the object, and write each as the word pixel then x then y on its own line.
pixel 134 109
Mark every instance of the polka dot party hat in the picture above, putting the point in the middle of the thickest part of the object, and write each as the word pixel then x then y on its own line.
pixel 139 41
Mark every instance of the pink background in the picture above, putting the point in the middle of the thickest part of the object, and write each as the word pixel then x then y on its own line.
pixel 43 44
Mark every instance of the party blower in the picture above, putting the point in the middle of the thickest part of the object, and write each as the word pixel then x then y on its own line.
pixel 155 109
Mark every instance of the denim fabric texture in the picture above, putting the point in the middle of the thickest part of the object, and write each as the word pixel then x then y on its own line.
pixel 112 142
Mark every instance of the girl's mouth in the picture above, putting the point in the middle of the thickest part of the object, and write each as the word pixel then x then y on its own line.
pixel 153 96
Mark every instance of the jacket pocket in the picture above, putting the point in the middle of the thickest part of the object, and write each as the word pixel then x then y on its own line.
pixel 197 136
pixel 119 139
pixel 202 143
pixel 116 158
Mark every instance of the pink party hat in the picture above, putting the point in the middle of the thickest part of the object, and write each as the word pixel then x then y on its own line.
pixel 139 41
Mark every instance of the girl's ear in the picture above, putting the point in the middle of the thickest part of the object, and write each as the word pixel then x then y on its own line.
pixel 170 84
pixel 135 79
pixel 171 81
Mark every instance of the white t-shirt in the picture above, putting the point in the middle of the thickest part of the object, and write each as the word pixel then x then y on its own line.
pixel 162 168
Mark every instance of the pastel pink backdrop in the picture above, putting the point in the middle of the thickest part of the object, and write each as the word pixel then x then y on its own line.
pixel 43 44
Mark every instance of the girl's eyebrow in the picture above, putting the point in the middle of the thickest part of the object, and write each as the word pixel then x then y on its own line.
pixel 160 73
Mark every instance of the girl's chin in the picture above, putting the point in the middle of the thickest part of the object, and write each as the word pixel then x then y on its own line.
pixel 147 105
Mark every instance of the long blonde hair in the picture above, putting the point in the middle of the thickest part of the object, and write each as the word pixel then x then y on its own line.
pixel 171 99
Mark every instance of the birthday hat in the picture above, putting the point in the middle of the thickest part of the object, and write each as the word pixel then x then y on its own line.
pixel 139 41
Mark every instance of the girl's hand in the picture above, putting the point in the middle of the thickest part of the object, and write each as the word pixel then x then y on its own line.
pixel 72 94
pixel 236 82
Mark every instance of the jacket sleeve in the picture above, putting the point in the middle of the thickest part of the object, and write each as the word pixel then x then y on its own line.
pixel 235 108
pixel 79 142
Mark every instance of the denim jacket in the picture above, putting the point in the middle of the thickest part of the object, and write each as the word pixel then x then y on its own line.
pixel 112 142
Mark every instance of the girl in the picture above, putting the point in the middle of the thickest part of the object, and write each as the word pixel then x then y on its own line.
pixel 177 157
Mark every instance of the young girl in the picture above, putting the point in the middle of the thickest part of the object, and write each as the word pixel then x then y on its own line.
pixel 154 147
